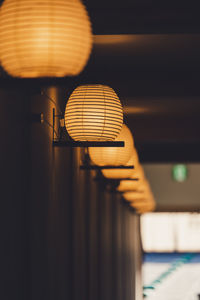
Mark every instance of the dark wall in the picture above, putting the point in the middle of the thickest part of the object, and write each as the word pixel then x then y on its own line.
pixel 14 184
pixel 64 236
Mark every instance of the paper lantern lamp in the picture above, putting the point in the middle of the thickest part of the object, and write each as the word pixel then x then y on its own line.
pixel 143 201
pixel 143 186
pixel 127 185
pixel 140 207
pixel 143 207
pixel 46 38
pixel 121 173
pixel 93 113
pixel 132 196
pixel 114 156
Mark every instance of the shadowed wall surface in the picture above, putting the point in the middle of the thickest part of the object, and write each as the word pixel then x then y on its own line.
pixel 64 236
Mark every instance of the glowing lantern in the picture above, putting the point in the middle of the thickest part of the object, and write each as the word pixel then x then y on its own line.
pixel 143 207
pixel 121 173
pixel 143 187
pixel 143 201
pixel 93 113
pixel 132 196
pixel 114 156
pixel 127 185
pixel 44 38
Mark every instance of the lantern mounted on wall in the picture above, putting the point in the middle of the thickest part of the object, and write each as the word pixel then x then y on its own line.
pixel 127 185
pixel 93 118
pixel 114 156
pixel 65 141
pixel 93 113
pixel 110 157
pixel 120 174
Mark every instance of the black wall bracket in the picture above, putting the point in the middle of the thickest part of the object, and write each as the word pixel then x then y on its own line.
pixel 94 167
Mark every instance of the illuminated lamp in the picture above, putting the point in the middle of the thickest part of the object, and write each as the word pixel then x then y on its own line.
pixel 44 38
pixel 141 201
pixel 114 156
pixel 143 207
pixel 93 113
pixel 143 186
pixel 132 196
pixel 121 173
pixel 127 185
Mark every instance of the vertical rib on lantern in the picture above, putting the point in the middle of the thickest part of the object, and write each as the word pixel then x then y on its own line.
pixel 93 113
pixel 44 38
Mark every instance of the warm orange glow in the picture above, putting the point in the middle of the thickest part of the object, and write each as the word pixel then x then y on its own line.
pixel 142 199
pixel 113 39
pixel 122 173
pixel 93 113
pixel 145 208
pixel 138 173
pixel 133 110
pixel 44 38
pixel 134 195
pixel 127 185
pixel 143 186
pixel 114 156
pixel 143 205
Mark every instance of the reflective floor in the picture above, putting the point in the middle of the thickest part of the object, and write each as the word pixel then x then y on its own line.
pixel 171 276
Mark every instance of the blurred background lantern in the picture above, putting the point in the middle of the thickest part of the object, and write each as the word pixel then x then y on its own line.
pixel 121 173
pixel 127 185
pixel 114 156
pixel 143 187
pixel 134 195
pixel 93 113
pixel 143 207
pixel 46 38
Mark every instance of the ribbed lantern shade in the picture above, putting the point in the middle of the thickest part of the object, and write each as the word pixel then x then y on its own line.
pixel 132 196
pixel 114 156
pixel 44 38
pixel 127 185
pixel 120 173
pixel 93 113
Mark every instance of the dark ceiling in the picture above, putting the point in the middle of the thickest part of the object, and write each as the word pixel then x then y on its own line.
pixel 149 51
pixel 144 16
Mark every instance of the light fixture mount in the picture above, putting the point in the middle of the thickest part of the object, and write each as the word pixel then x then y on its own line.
pixel 63 139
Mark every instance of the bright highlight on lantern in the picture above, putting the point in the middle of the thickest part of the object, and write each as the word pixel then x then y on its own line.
pixel 44 38
pixel 114 156
pixel 93 113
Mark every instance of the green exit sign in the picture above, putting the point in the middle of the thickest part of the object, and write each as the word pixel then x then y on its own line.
pixel 179 172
